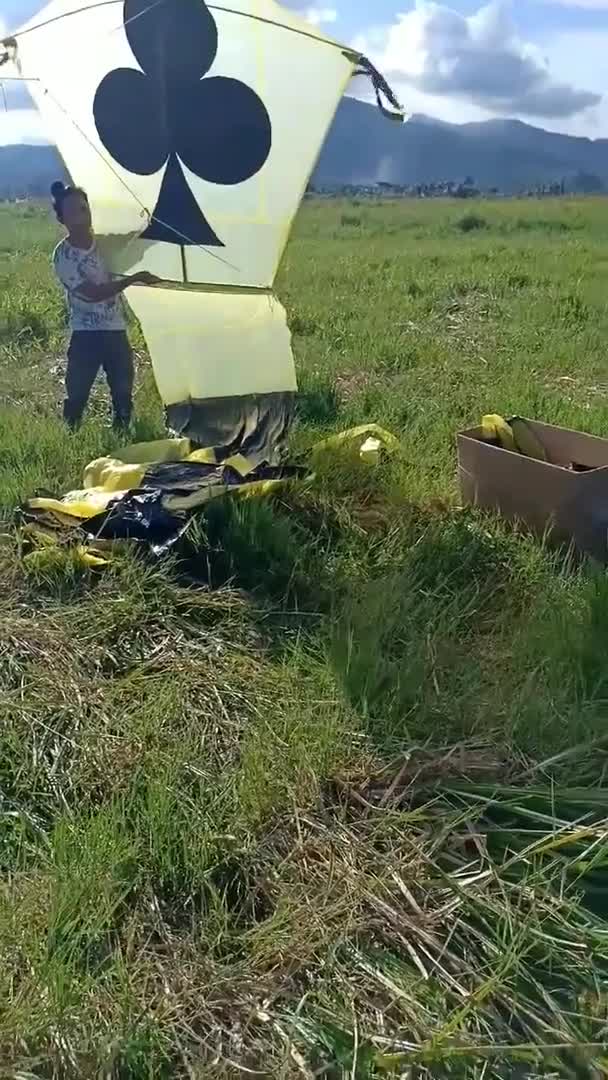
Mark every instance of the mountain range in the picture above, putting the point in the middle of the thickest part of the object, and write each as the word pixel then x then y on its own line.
pixel 363 147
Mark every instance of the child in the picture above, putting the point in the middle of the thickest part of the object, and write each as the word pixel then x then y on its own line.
pixel 97 321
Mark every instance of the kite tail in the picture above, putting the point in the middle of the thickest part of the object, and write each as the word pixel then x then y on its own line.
pixel 382 90
pixel 8 47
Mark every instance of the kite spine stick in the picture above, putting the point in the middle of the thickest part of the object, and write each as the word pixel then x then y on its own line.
pixel 212 287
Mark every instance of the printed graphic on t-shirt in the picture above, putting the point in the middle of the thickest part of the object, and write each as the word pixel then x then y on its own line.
pixel 74 267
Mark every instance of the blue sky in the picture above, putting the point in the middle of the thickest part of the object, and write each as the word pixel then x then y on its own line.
pixel 540 60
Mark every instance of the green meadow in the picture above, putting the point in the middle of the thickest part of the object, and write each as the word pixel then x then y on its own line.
pixel 323 794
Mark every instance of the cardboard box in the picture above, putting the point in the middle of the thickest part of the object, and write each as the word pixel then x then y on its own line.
pixel 551 498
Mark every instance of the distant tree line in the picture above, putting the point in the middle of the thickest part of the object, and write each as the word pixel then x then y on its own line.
pixel 580 183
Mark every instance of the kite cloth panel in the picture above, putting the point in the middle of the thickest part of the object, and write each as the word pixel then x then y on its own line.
pixel 223 366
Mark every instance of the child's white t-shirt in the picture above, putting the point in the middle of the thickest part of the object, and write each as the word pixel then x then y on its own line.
pixel 75 266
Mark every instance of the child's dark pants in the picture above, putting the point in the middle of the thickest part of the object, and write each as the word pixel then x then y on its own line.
pixel 90 350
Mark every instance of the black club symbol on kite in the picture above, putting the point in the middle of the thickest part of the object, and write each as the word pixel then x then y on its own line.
pixel 168 113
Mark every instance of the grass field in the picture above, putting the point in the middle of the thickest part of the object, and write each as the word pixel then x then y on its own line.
pixel 323 796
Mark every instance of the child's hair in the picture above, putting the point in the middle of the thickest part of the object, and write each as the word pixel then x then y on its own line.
pixel 60 193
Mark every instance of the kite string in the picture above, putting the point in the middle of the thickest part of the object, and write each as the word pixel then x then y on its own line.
pixel 84 135
pixel 116 174
pixel 11 40
pixel 213 7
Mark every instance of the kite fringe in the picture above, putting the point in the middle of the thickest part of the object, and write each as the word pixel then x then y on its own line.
pixel 382 89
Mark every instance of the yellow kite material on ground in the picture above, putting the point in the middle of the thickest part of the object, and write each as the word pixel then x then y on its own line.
pixel 150 491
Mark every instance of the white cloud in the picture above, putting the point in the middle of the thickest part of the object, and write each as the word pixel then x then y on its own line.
pixel 591 5
pixel 478 59
pixel 20 122
pixel 21 126
pixel 314 13
pixel 317 15
pixel 582 54
pixel 13 94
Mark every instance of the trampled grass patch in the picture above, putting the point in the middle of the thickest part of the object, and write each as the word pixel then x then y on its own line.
pixel 323 794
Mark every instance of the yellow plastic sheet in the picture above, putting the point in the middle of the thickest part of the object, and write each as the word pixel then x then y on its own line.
pixel 110 474
pixel 367 442
pixel 110 478
pixel 79 505
pixel 206 345
pixel 149 453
